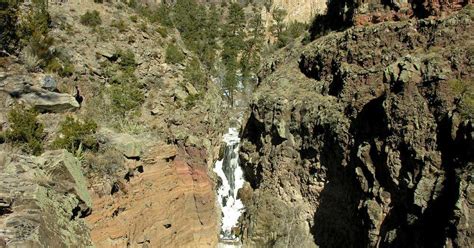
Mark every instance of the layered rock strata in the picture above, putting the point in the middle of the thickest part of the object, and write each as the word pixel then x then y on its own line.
pixel 168 202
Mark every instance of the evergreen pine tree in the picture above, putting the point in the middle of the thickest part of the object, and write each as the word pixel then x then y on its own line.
pixel 250 61
pixel 233 36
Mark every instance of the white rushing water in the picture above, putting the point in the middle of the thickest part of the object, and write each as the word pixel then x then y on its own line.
pixel 231 175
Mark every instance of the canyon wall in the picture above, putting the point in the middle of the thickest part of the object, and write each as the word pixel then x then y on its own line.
pixel 300 10
pixel 364 138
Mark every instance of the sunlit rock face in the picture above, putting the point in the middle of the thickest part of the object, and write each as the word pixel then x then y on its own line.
pixel 301 10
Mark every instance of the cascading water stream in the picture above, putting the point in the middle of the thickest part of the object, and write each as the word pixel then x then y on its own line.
pixel 231 175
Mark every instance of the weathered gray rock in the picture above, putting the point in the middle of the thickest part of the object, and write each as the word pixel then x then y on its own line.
pixel 43 200
pixel 45 101
pixel 29 91
pixel 48 83
pixel 130 146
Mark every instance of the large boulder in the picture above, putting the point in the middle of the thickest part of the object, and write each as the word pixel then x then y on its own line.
pixel 46 101
pixel 31 91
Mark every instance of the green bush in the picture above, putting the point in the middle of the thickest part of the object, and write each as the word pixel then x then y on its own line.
pixel 39 45
pixel 62 68
pixel 125 98
pixel 33 32
pixel 25 129
pixel 132 4
pixel 91 19
pixel 67 70
pixel 161 14
pixel 467 106
pixel 174 55
pixel 127 59
pixel 191 101
pixel 195 75
pixel 121 72
pixel 37 20
pixel 464 92
pixel 76 135
pixel 54 65
pixel 163 31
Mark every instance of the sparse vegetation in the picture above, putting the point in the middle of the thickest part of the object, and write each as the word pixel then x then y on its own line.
pixel 127 59
pixel 76 135
pixel 107 162
pixel 25 130
pixel 91 19
pixel 193 74
pixel 174 55
pixel 125 98
pixel 191 101
pixel 120 24
pixel 464 93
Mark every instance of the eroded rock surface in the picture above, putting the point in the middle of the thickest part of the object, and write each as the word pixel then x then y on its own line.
pixel 359 140
pixel 43 200
pixel 171 203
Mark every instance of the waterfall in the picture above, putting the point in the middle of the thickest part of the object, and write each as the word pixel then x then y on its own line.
pixel 231 175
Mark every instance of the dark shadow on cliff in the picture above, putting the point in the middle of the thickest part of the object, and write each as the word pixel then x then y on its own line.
pixel 252 131
pixel 335 19
pixel 336 221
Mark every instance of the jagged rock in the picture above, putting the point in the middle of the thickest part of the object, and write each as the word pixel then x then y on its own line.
pixel 63 165
pixel 44 199
pixel 281 129
pixel 375 213
pixel 403 71
pixel 106 51
pixel 380 154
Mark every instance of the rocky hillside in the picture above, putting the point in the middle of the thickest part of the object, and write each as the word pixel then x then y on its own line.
pixel 140 137
pixel 364 138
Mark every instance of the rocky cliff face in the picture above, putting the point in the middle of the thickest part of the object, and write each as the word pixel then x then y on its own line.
pixel 300 10
pixel 168 202
pixel 145 193
pixel 364 138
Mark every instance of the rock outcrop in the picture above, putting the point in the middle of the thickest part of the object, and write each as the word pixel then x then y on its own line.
pixel 342 14
pixel 27 90
pixel 169 202
pixel 300 10
pixel 43 200
pixel 361 139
